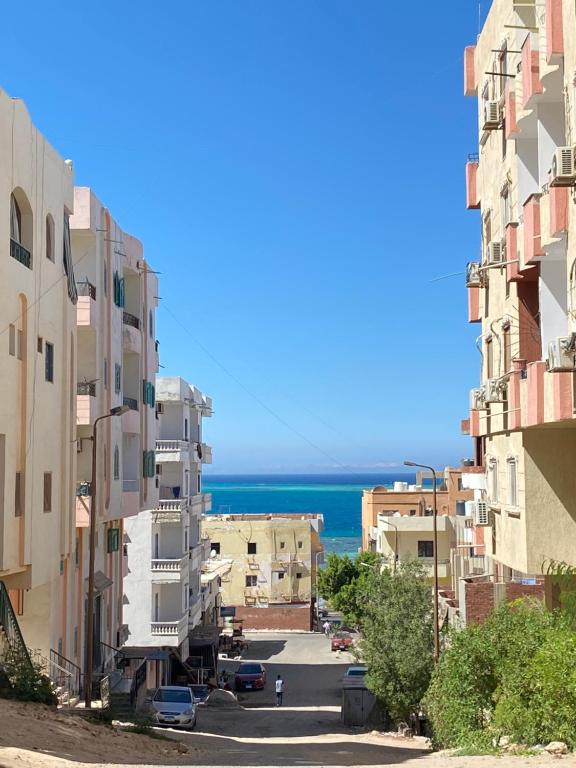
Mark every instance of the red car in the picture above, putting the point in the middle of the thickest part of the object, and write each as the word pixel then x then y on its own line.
pixel 341 641
pixel 250 676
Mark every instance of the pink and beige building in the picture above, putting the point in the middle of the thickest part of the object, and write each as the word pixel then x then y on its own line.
pixel 117 361
pixel 522 289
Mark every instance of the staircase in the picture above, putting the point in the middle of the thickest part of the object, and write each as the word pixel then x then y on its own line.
pixel 10 635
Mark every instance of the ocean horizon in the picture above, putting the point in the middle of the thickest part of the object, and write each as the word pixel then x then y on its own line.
pixel 338 497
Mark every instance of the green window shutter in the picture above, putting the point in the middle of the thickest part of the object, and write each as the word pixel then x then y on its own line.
pixel 117 377
pixel 122 292
pixel 113 540
pixel 152 395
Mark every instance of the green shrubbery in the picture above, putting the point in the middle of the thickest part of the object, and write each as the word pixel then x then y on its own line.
pixel 24 681
pixel 514 675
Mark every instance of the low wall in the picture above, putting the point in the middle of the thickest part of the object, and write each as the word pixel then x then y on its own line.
pixel 278 617
pixel 483 597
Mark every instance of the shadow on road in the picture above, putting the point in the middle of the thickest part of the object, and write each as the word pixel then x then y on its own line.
pixel 264 649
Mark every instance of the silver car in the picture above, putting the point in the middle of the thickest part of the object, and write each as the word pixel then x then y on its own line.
pixel 174 705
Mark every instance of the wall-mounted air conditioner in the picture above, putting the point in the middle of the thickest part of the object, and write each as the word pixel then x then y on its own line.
pixel 495 391
pixel 562 354
pixel 473 275
pixel 492 115
pixel 478 399
pixel 563 173
pixel 481 513
pixel 495 254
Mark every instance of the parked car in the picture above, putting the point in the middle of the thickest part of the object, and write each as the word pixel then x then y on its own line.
pixel 174 705
pixel 200 692
pixel 341 641
pixel 250 675
pixel 355 674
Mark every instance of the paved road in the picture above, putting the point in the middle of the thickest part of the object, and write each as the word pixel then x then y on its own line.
pixel 307 729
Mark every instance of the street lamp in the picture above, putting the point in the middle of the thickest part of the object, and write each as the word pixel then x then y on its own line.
pixel 117 411
pixel 435 553
pixel 384 519
pixel 317 555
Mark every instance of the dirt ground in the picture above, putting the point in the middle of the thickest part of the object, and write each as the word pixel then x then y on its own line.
pixel 305 732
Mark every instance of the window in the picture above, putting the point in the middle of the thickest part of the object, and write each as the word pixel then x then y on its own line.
pixel 40 345
pixel 299 575
pixel 412 513
pixel 12 340
pixel 506 349
pixel 185 429
pixel 280 575
pixel 15 220
pixel 47 491
pixel 493 479
pixel 282 545
pixel 18 495
pixel 150 326
pixel 113 540
pixel 77 552
pixel 300 544
pixel 251 581
pixel 489 359
pixel 148 393
pixel 505 206
pixel 49 362
pixel 251 548
pixel 148 463
pixel 119 290
pixel 105 373
pixel 105 279
pixel 512 466
pixel 425 549
pixel 49 238
pixel 215 547
pixel 117 377
pixel 75 651
pixel 116 463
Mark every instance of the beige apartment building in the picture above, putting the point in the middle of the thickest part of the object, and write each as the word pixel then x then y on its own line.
pixel 271 583
pixel 38 382
pixel 522 289
pixel 117 361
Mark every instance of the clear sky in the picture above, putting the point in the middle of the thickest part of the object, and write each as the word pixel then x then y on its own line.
pixel 295 169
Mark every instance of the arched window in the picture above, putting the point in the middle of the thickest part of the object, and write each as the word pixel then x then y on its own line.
pixel 116 463
pixel 15 220
pixel 21 229
pixel 49 238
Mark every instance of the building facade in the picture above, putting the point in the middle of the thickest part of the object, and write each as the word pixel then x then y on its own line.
pixel 163 598
pixel 272 579
pixel 522 290
pixel 38 382
pixel 117 361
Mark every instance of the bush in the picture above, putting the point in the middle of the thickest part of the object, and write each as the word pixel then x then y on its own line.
pixel 24 681
pixel 513 675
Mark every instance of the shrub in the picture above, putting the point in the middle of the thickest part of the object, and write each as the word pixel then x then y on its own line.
pixel 24 680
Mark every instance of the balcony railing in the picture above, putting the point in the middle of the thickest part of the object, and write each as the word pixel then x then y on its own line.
pixel 130 319
pixel 172 445
pixel 20 253
pixel 171 564
pixel 131 402
pixel 171 505
pixel 84 488
pixel 169 627
pixel 86 388
pixel 86 288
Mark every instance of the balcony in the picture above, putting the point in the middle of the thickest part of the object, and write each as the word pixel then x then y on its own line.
pixel 196 556
pixel 131 335
pixel 470 84
pixel 86 388
pixel 130 497
pixel 194 611
pixel 20 253
pixel 172 450
pixel 83 504
pixel 554 30
pixel 472 198
pixel 474 309
pixel 131 419
pixel 531 85
pixel 532 240
pixel 86 404
pixel 86 308
pixel 171 629
pixel 511 125
pixel 204 453
pixel 168 569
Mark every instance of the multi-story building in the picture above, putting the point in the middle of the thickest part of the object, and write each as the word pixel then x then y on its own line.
pixel 163 600
pixel 522 290
pixel 38 382
pixel 271 584
pixel 412 500
pixel 116 362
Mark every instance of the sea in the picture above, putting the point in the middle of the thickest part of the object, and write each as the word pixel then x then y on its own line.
pixel 337 497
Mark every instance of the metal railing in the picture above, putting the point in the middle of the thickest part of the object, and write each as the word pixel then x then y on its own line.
pixel 130 319
pixel 131 402
pixel 84 488
pixel 20 253
pixel 9 625
pixel 85 288
pixel 86 388
pixel 64 674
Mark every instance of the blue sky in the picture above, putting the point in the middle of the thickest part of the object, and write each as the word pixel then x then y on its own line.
pixel 295 169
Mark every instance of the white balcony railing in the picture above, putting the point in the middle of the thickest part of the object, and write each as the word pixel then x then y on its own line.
pixel 169 565
pixel 169 627
pixel 171 505
pixel 169 446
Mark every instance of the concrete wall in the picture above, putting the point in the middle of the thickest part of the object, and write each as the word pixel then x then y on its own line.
pixel 281 617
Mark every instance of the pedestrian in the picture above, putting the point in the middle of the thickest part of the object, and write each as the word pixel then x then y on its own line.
pixel 326 628
pixel 279 690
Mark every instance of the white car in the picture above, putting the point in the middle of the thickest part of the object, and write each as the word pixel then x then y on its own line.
pixel 355 674
pixel 174 705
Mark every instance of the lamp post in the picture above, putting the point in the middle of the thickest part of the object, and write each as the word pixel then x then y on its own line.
pixel 435 553
pixel 118 411
pixel 317 555
pixel 384 519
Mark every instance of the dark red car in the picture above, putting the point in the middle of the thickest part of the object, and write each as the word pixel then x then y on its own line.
pixel 250 675
pixel 341 641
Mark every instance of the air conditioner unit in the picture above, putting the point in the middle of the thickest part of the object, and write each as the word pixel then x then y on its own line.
pixel 481 513
pixel 563 172
pixel 495 253
pixel 561 355
pixel 491 115
pixel 478 399
pixel 495 391
pixel 473 275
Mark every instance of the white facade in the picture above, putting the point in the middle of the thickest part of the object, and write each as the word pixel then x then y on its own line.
pixel 165 552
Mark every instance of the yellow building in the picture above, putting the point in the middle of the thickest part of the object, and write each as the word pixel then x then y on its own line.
pixel 271 583
pixel 522 292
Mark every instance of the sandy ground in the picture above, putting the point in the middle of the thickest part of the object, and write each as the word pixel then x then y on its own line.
pixel 305 732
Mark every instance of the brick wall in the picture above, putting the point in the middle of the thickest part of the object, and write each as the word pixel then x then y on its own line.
pixel 277 617
pixel 481 596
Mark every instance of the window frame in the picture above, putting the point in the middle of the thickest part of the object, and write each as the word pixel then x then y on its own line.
pixel 424 546
pixel 250 580
pixel 251 548
pixel 512 480
pixel 49 362
pixel 47 492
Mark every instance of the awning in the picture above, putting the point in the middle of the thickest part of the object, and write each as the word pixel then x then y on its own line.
pixel 101 582
pixel 152 654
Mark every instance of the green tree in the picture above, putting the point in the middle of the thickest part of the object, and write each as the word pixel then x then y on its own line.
pixel 339 571
pixel 398 640
pixel 353 597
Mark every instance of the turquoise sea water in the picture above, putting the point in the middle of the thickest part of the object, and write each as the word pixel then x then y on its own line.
pixel 337 497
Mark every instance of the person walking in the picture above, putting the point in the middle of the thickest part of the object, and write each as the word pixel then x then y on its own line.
pixel 279 690
pixel 326 628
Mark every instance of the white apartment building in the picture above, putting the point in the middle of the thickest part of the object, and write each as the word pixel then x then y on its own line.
pixel 117 361
pixel 37 381
pixel 163 601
